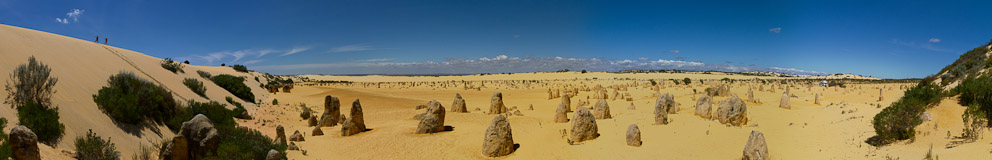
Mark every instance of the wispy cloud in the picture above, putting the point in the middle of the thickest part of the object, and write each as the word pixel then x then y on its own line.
pixel 351 48
pixel 674 51
pixel 74 15
pixel 926 46
pixel 504 63
pixel 252 61
pixel 934 40
pixel 295 50
pixel 776 30
pixel 375 60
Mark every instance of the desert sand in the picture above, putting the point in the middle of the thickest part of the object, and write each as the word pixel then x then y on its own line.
pixel 834 129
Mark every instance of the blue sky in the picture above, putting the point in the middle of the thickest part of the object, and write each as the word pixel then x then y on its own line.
pixel 892 39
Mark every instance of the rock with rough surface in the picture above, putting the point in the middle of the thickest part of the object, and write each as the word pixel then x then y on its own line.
pixel 602 110
pixel 196 138
pixel 567 100
pixel 703 107
pixel 583 126
pixel 561 114
pixel 356 123
pixel 280 135
pixel 459 105
pixel 273 155
pixel 433 120
pixel 732 111
pixel 332 112
pixel 756 149
pixel 496 104
pixel 317 131
pixel 633 135
pixel 297 136
pixel 499 138
pixel 784 103
pixel 23 143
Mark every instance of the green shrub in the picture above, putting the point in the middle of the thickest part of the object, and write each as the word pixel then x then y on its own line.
pixel 171 65
pixel 240 68
pixel 687 81
pixel 196 86
pixel 653 83
pixel 897 122
pixel 275 102
pixel 5 151
pixel 239 110
pixel 975 93
pixel 131 100
pixel 42 120
pixel 94 147
pixel 219 114
pixel 205 75
pixel 30 82
pixel 235 85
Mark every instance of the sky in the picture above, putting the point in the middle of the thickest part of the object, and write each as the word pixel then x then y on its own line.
pixel 886 39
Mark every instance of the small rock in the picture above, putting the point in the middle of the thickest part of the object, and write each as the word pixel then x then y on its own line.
pixel 633 135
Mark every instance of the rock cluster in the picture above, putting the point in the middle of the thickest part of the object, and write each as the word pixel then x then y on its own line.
pixel 297 136
pixel 719 90
pixel 661 108
pixel 433 119
pixel 499 138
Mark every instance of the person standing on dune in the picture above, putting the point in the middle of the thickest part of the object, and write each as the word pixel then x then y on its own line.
pixel 104 40
pixel 97 39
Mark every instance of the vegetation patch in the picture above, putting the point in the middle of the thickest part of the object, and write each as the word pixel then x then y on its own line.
pixel 131 100
pixel 95 147
pixel 897 122
pixel 236 143
pixel 30 91
pixel 235 85
pixel 173 66
pixel 196 86
pixel 240 68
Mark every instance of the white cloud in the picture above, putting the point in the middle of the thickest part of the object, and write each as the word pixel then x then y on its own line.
pixel 376 60
pixel 775 30
pixel 674 51
pixel 504 63
pixel 926 46
pixel 643 59
pixel 295 50
pixel 74 15
pixel 351 48
pixel 934 40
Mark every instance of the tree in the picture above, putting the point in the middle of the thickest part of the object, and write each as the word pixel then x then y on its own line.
pixel 31 82
pixel 187 61
pixel 686 80
pixel 583 71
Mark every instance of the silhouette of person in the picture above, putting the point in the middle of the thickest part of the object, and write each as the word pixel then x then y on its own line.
pixel 104 40
pixel 97 39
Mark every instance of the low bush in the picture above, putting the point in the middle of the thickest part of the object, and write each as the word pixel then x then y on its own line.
pixel 976 93
pixel 219 114
pixel 95 147
pixel 196 86
pixel 687 81
pixel 131 100
pixel 205 75
pixel 275 101
pixel 42 120
pixel 239 110
pixel 5 151
pixel 171 65
pixel 30 82
pixel 240 68
pixel 897 122
pixel 235 85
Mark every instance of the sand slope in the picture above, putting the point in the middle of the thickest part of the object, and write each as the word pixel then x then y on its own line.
pixel 83 68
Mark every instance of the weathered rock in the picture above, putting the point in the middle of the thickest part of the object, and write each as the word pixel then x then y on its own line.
pixel 422 106
pixel 602 110
pixel 419 116
pixel 356 123
pixel 667 102
pixel 719 90
pixel 784 103
pixel 567 100
pixel 23 143
pixel 531 107
pixel 732 111
pixel 517 113
pixel 661 106
pixel 433 120
pixel 881 97
pixel 317 131
pixel 280 135
pixel 704 107
pixel 583 126
pixel 196 138
pixel 273 155
pixel 312 121
pixel 459 104
pixel 341 118
pixel 297 136
pixel 561 113
pixel 632 107
pixel 756 149
pixel 499 138
pixel 750 96
pixel 816 99
pixel 633 135
pixel 496 104
pixel 292 146
pixel 332 112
